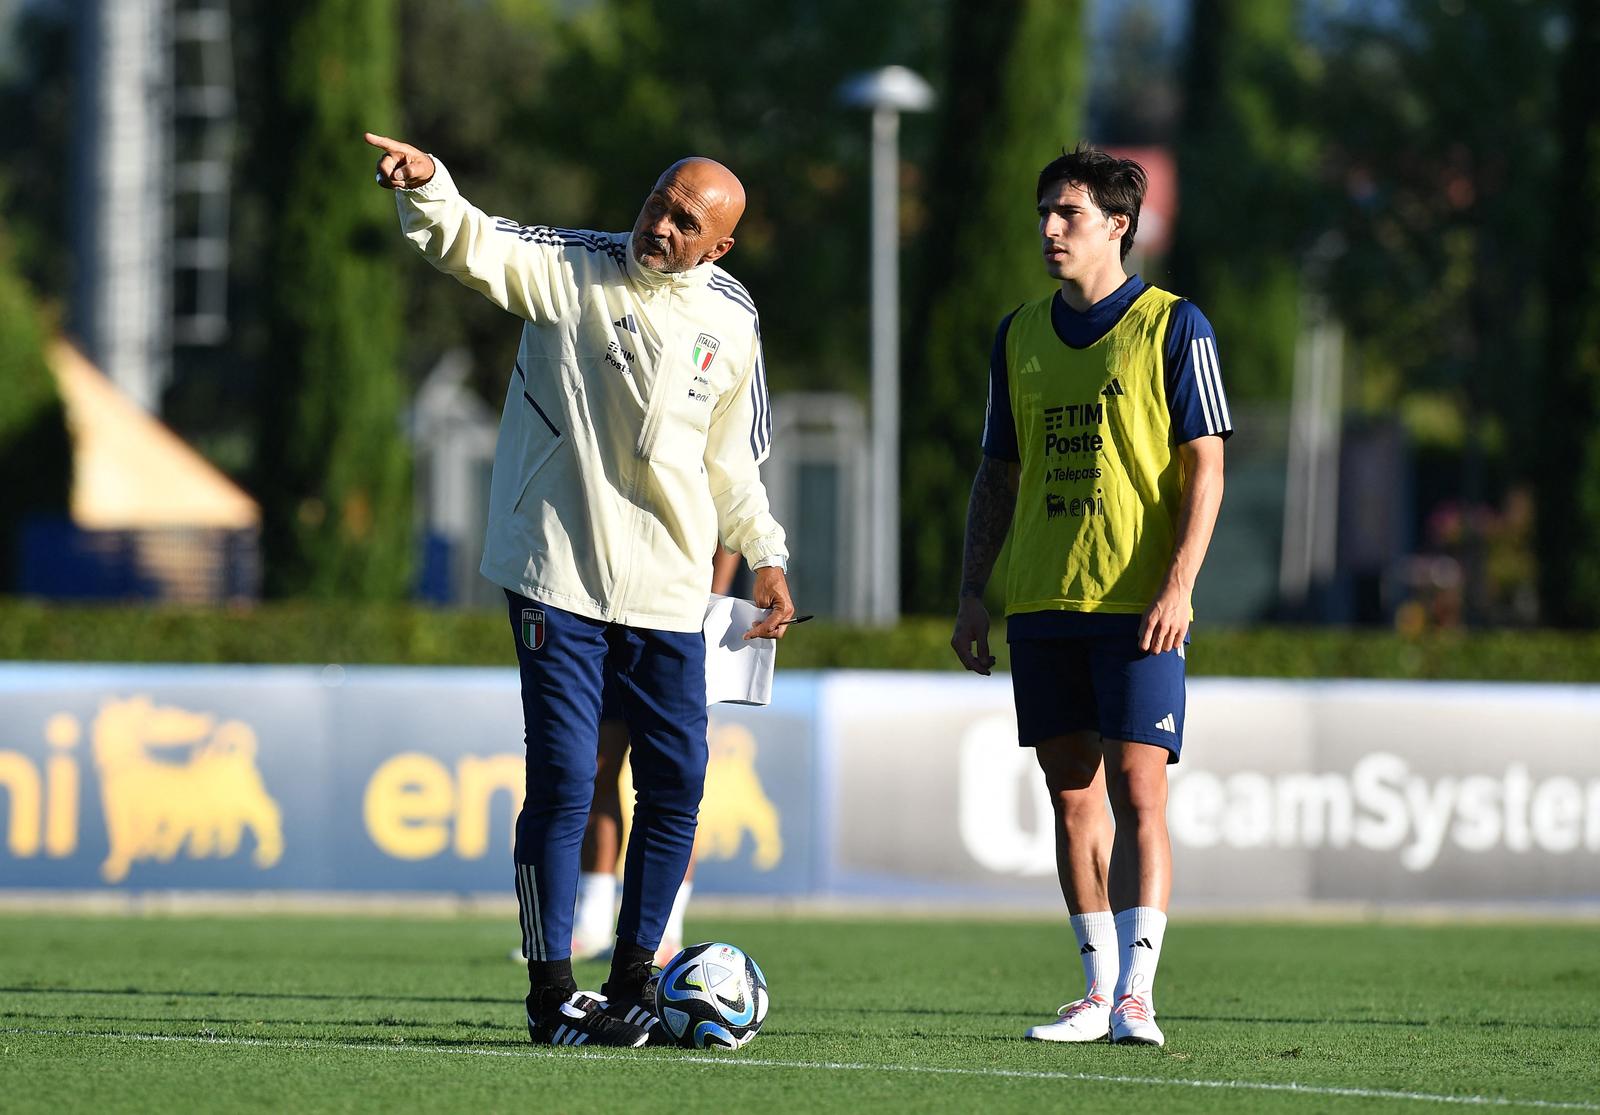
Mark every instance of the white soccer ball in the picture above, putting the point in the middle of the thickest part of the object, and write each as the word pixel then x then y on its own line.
pixel 711 996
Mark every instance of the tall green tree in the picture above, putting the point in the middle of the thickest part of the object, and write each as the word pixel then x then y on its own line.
pixel 35 450
pixel 1569 487
pixel 1244 172
pixel 1012 99
pixel 333 464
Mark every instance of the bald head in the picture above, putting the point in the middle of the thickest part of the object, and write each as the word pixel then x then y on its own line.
pixel 689 217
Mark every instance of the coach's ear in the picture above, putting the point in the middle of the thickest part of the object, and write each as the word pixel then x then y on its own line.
pixel 718 250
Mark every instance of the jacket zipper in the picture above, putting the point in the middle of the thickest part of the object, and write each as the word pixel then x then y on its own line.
pixel 660 389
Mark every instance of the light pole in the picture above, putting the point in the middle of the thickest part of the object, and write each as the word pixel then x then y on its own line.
pixel 887 93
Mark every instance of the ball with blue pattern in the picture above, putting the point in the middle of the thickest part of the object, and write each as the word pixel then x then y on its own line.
pixel 711 996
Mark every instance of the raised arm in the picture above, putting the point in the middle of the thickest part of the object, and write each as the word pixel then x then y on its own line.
pixel 989 510
pixel 518 269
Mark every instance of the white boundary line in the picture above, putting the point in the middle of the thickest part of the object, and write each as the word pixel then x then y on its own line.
pixel 715 1061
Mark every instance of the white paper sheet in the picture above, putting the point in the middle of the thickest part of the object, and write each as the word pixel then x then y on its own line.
pixel 738 670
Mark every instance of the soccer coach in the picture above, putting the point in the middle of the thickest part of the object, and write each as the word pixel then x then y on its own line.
pixel 635 421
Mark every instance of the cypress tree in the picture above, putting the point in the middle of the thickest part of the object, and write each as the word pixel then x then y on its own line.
pixel 333 463
pixel 1569 489
pixel 35 450
pixel 1243 175
pixel 1013 98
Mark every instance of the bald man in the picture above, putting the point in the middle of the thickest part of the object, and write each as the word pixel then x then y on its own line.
pixel 635 419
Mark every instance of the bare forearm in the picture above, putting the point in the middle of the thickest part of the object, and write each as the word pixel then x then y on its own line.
pixel 1197 511
pixel 989 511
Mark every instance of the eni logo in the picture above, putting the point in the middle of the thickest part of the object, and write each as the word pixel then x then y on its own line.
pixel 170 777
pixel 171 780
pixel 416 807
pixel 735 802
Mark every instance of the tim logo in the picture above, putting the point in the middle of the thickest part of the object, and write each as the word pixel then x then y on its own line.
pixel 533 628
pixel 170 777
pixel 735 803
pixel 1054 506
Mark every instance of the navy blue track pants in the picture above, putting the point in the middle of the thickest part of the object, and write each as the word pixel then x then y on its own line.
pixel 660 679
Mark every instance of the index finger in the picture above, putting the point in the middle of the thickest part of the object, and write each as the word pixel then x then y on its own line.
pixel 384 142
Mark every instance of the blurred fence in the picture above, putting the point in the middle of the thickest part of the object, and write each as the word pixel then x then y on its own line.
pixel 874 785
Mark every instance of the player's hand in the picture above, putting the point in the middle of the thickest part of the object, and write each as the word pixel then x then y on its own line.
pixel 772 593
pixel 402 166
pixel 970 640
pixel 1166 621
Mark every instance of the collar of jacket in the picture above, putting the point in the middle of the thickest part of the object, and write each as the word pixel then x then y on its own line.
pixel 647 278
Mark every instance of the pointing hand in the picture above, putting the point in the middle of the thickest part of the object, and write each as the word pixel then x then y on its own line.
pixel 402 167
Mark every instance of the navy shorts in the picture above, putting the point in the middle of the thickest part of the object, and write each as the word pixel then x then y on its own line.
pixel 1098 682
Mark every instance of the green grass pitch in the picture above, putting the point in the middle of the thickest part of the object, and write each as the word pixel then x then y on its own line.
pixel 366 1013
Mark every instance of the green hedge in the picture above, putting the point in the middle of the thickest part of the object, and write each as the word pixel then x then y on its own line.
pixel 402 634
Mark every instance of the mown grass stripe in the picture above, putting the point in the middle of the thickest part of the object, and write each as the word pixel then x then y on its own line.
pixel 713 1061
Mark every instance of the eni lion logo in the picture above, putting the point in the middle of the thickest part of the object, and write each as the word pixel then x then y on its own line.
pixel 735 803
pixel 169 776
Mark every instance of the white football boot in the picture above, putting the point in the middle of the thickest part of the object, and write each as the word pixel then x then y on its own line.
pixel 1087 1019
pixel 1133 1022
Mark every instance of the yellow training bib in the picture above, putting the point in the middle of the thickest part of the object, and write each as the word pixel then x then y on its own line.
pixel 1097 501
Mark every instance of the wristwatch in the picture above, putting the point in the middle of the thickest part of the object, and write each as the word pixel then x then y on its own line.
pixel 770 560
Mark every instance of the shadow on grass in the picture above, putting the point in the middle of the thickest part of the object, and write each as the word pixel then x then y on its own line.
pixel 376 1024
pixel 290 996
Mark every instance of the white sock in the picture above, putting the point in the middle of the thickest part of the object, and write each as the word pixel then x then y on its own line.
pixel 674 930
pixel 1139 933
pixel 1097 948
pixel 597 906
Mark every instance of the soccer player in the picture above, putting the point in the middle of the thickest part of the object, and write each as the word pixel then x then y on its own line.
pixel 635 420
pixel 1102 459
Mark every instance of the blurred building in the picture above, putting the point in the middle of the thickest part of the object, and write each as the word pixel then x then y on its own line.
pixel 150 518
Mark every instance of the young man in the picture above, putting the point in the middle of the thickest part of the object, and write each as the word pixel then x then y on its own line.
pixel 635 421
pixel 1102 457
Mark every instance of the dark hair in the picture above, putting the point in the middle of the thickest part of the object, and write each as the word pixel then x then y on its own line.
pixel 1114 185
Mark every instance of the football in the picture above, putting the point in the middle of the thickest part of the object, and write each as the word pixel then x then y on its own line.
pixel 711 996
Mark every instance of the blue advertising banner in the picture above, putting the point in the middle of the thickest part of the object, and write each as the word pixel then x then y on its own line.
pixel 300 778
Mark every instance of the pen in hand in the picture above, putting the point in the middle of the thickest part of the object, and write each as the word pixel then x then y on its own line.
pixel 796 619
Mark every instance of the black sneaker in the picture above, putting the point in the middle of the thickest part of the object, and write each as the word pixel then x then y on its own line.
pixel 584 1020
pixel 637 1008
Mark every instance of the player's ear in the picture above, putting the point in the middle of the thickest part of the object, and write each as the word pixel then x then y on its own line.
pixel 1119 225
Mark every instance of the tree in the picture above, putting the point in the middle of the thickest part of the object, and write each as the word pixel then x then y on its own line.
pixel 1012 100
pixel 35 450
pixel 1244 168
pixel 1569 487
pixel 333 466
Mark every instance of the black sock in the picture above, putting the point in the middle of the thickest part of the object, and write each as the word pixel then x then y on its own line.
pixel 630 969
pixel 550 984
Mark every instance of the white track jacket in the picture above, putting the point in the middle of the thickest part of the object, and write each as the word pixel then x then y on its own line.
pixel 634 422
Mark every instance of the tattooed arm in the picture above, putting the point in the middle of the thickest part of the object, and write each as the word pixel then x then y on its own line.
pixel 989 510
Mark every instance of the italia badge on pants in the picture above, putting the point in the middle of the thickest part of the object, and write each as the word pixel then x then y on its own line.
pixel 533 628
